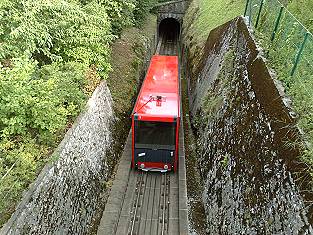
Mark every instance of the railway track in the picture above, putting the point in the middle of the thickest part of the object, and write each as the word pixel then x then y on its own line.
pixel 141 202
pixel 150 212
pixel 167 45
pixel 148 202
pixel 151 208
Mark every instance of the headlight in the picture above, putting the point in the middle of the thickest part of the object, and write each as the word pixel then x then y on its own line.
pixel 142 165
pixel 166 167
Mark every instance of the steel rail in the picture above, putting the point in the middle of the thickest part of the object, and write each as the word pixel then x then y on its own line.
pixel 139 189
pixel 165 194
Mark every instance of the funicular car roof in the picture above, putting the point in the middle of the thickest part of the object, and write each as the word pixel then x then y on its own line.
pixel 161 80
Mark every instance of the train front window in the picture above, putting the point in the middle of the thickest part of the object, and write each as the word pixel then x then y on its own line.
pixel 158 135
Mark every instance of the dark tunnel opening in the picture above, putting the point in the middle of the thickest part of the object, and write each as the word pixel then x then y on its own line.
pixel 169 29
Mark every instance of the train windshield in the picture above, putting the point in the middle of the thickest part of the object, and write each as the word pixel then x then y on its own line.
pixel 158 135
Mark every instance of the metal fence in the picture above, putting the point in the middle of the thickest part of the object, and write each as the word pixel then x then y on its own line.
pixel 287 42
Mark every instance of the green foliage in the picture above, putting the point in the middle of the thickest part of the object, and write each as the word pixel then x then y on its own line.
pixel 41 100
pixel 303 9
pixel 52 56
pixel 58 31
pixel 19 164
pixel 121 13
pixel 142 9
pixel 203 16
pixel 35 106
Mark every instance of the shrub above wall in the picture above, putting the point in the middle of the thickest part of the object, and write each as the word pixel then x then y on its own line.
pixel 53 55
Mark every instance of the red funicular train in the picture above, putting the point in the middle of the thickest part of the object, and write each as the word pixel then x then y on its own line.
pixel 156 117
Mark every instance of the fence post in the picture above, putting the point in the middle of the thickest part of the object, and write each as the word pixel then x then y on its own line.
pixel 299 54
pixel 277 22
pixel 259 13
pixel 247 3
pixel 250 13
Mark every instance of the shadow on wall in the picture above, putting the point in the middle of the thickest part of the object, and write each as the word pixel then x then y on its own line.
pixel 245 133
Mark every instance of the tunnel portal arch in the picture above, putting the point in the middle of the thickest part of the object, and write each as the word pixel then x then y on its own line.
pixel 170 27
pixel 172 10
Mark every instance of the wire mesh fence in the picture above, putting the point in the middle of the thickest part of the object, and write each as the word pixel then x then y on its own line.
pixel 287 42
pixel 289 47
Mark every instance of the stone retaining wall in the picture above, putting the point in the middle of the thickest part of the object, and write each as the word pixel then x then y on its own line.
pixel 65 197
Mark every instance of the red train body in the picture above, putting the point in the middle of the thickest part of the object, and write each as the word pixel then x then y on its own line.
pixel 156 117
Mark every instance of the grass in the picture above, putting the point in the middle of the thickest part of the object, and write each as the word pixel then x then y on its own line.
pixel 205 15
pixel 300 87
pixel 301 93
pixel 303 9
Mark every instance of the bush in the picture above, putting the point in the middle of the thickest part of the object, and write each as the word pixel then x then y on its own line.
pixel 52 56
pixel 21 160
pixel 40 100
pixel 56 32
pixel 120 13
pixel 142 8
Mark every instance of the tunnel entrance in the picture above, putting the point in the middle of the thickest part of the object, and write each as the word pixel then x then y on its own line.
pixel 169 33
pixel 169 29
